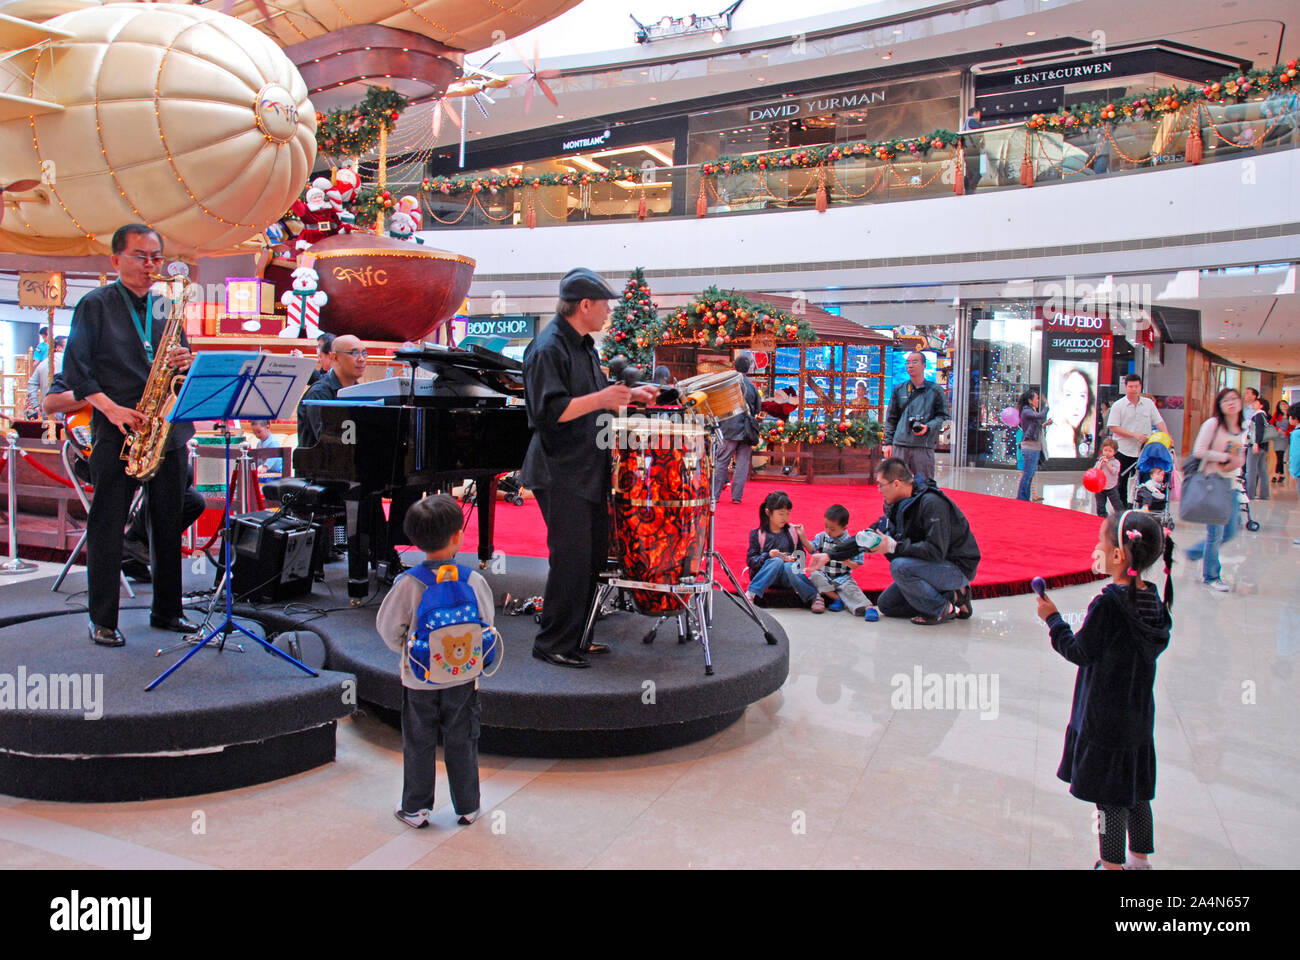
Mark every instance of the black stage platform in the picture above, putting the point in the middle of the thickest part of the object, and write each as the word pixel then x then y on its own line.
pixel 638 698
pixel 229 719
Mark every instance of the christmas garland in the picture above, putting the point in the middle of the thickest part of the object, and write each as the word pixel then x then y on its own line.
pixel 717 318
pixel 354 131
pixel 1233 88
pixel 370 203
pixel 454 186
pixel 852 432
pixel 829 153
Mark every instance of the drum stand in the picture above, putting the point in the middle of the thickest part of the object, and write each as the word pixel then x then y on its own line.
pixel 694 594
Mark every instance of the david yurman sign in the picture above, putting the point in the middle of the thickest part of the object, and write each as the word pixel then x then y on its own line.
pixel 815 106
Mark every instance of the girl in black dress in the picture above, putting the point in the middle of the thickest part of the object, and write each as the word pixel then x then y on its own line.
pixel 1110 755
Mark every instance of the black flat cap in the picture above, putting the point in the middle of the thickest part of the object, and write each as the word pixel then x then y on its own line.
pixel 583 284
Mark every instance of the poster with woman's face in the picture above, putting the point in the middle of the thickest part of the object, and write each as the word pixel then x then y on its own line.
pixel 1072 403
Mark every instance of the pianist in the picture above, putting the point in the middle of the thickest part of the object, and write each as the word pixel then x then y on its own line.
pixel 347 364
pixel 566 392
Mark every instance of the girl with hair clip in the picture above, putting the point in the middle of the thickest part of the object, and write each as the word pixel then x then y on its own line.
pixel 1110 755
pixel 774 558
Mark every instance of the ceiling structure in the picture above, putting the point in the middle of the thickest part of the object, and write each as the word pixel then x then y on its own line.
pixel 653 79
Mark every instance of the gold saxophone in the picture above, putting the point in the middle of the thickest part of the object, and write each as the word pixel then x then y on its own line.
pixel 145 448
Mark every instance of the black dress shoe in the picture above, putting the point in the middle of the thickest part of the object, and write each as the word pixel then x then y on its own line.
pixel 107 636
pixel 174 624
pixel 596 648
pixel 562 659
pixel 137 571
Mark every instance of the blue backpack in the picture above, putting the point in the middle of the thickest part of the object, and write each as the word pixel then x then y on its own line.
pixel 449 642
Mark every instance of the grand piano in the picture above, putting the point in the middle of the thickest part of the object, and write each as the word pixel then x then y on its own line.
pixel 458 416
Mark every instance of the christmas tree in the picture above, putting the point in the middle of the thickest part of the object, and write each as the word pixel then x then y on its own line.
pixel 633 325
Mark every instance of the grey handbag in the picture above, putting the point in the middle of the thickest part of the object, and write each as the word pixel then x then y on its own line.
pixel 1207 497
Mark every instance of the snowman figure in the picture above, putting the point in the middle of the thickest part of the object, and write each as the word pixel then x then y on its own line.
pixel 410 206
pixel 402 227
pixel 303 303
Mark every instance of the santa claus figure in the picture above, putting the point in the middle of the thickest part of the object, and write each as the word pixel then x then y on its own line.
pixel 346 182
pixel 318 217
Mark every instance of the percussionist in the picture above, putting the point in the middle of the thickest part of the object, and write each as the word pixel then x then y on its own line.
pixel 566 394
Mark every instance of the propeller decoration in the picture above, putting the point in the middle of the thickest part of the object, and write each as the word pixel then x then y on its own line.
pixel 18 186
pixel 476 83
pixel 535 78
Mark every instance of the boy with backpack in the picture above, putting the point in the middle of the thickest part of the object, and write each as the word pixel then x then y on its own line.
pixel 438 616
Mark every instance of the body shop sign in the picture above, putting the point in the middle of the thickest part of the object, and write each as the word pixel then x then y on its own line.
pixel 43 289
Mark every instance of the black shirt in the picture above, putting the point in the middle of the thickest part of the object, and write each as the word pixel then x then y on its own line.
pixel 561 364
pixel 309 420
pixel 743 427
pixel 105 354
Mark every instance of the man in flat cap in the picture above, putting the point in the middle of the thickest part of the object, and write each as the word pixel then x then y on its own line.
pixel 567 392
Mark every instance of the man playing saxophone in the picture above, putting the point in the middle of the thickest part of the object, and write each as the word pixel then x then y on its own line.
pixel 115 331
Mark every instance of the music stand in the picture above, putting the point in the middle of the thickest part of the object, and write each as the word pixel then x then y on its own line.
pixel 222 385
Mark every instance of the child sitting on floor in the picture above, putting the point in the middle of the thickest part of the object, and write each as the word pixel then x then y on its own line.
pixel 772 557
pixel 835 580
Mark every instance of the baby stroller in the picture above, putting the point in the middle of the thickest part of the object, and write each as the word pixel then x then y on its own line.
pixel 1239 488
pixel 1157 453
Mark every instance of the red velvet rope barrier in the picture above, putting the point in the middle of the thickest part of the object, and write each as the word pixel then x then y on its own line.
pixel 41 468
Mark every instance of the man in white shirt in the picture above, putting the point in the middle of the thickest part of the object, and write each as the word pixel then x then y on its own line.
pixel 1133 418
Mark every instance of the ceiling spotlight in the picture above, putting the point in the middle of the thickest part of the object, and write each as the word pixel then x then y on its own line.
pixel 717 36
pixel 1031 33
pixel 898 33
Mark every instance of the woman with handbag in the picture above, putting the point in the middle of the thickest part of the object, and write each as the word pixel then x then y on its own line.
pixel 1221 450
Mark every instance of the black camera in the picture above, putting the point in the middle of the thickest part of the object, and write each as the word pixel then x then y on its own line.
pixel 918 427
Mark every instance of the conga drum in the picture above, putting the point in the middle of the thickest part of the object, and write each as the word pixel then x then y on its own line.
pixel 718 395
pixel 662 474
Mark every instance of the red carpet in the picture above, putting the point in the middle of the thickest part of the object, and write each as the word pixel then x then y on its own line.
pixel 1018 541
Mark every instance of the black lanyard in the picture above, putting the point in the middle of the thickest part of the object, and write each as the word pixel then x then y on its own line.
pixel 145 330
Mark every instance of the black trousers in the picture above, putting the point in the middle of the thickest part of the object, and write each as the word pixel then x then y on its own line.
pixel 1127 468
pixel 104 528
pixel 456 712
pixel 577 537
pixel 193 504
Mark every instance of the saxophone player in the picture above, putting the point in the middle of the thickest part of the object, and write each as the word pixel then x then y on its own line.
pixel 110 352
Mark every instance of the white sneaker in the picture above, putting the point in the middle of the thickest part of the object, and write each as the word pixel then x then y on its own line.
pixel 418 819
pixel 466 819
pixel 1296 541
pixel 1219 585
pixel 1137 864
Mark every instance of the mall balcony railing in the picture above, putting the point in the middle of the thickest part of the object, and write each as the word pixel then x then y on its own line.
pixel 990 159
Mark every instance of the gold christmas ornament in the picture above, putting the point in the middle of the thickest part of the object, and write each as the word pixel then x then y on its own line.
pixel 177 116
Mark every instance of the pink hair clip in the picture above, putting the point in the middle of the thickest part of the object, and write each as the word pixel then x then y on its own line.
pixel 1132 572
pixel 1168 532
pixel 1134 534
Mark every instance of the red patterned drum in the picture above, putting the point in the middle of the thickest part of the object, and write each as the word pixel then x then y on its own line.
pixel 662 473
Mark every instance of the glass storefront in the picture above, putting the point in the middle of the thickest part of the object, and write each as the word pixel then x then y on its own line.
pixel 1076 361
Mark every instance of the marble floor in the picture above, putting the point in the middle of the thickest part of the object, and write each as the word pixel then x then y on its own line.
pixel 830 771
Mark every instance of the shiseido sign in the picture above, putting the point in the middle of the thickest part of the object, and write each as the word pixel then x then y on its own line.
pixel 815 106
pixel 1075 321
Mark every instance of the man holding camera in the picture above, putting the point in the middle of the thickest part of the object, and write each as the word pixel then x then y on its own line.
pixel 917 412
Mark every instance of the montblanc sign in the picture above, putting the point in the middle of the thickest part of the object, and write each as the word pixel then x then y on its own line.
pixel 582 143
pixel 815 106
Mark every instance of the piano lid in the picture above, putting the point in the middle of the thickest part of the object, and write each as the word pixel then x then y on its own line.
pixel 436 358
